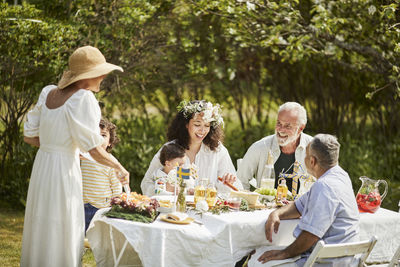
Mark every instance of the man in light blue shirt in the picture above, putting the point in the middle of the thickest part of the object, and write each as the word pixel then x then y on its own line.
pixel 328 211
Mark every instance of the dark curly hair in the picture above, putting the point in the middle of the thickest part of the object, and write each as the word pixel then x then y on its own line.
pixel 112 129
pixel 178 131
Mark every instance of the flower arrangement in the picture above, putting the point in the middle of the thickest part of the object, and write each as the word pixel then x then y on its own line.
pixel 209 112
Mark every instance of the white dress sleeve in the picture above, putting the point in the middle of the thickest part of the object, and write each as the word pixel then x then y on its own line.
pixel 225 165
pixel 147 184
pixel 32 123
pixel 83 116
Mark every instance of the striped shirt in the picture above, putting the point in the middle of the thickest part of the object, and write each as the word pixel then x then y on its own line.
pixel 100 184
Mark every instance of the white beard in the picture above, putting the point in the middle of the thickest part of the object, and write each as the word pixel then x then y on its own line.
pixel 287 140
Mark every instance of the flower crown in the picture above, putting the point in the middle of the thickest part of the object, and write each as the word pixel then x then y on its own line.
pixel 209 112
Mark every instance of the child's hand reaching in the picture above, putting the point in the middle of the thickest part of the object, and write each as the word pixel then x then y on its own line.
pixel 170 188
pixel 123 175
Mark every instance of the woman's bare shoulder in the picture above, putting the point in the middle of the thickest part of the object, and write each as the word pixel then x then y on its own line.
pixel 57 98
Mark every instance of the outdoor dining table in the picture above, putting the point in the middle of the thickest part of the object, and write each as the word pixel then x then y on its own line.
pixel 221 240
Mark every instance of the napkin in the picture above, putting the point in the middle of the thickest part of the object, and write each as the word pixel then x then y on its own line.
pixel 177 216
pixel 253 262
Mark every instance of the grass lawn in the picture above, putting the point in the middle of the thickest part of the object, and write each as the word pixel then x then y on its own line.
pixel 11 225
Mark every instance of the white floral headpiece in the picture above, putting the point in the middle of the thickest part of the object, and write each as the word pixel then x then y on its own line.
pixel 209 112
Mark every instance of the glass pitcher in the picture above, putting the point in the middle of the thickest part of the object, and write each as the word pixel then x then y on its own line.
pixel 368 197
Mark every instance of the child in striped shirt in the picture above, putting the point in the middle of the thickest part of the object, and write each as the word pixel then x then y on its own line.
pixel 100 182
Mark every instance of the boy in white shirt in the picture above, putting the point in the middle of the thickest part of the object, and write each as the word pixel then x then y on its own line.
pixel 171 156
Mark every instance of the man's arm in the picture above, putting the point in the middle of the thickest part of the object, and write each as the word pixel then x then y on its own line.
pixel 284 213
pixel 33 141
pixel 303 243
pixel 249 165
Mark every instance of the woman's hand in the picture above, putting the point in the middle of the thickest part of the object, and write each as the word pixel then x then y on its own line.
pixel 33 141
pixel 229 178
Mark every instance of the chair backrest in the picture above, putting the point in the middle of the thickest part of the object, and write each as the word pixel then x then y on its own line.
pixel 396 259
pixel 323 250
pixel 238 162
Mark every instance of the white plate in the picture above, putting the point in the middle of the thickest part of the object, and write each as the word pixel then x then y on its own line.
pixel 164 209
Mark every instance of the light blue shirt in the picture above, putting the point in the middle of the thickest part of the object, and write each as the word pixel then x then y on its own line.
pixel 329 210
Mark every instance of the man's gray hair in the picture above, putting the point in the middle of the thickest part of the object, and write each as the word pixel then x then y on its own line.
pixel 325 148
pixel 301 111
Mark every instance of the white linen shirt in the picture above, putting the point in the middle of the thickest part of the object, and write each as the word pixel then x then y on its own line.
pixel 212 164
pixel 329 210
pixel 256 157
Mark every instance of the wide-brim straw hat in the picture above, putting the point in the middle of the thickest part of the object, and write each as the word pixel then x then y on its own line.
pixel 85 63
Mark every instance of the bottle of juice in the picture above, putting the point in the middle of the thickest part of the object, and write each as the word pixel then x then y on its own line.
pixel 282 189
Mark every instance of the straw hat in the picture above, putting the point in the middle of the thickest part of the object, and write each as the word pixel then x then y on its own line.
pixel 85 63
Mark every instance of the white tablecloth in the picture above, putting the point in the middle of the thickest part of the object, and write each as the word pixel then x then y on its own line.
pixel 221 241
pixel 385 225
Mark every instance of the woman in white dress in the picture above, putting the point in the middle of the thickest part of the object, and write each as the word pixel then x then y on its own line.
pixel 198 128
pixel 64 121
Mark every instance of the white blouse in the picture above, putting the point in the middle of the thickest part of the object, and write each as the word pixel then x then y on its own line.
pixel 212 164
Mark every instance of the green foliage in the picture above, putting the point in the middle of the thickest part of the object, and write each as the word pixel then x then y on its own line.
pixel 337 58
pixel 15 177
pixel 32 51
pixel 140 140
pixel 375 159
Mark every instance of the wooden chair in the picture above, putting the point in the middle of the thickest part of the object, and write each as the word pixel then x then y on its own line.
pixel 239 161
pixel 396 259
pixel 322 251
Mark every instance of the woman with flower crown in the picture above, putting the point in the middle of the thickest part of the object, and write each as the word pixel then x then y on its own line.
pixel 198 128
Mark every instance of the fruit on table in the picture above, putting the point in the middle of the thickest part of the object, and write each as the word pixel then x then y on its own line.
pixel 266 191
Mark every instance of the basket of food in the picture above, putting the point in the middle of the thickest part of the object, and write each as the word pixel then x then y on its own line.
pixel 134 207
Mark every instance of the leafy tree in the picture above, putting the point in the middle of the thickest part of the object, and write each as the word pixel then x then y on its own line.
pixel 32 53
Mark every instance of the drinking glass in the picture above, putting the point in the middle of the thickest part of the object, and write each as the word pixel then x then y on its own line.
pixel 234 203
pixel 200 190
pixel 211 195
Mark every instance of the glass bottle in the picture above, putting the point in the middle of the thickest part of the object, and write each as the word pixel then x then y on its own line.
pixel 282 189
pixel 268 176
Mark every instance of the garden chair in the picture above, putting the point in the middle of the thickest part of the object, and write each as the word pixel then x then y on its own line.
pixel 239 161
pixel 323 250
pixel 396 259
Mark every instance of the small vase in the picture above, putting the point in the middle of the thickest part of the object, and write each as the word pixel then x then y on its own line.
pixel 181 199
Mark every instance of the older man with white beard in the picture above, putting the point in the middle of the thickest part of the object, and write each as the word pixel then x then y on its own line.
pixel 287 145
